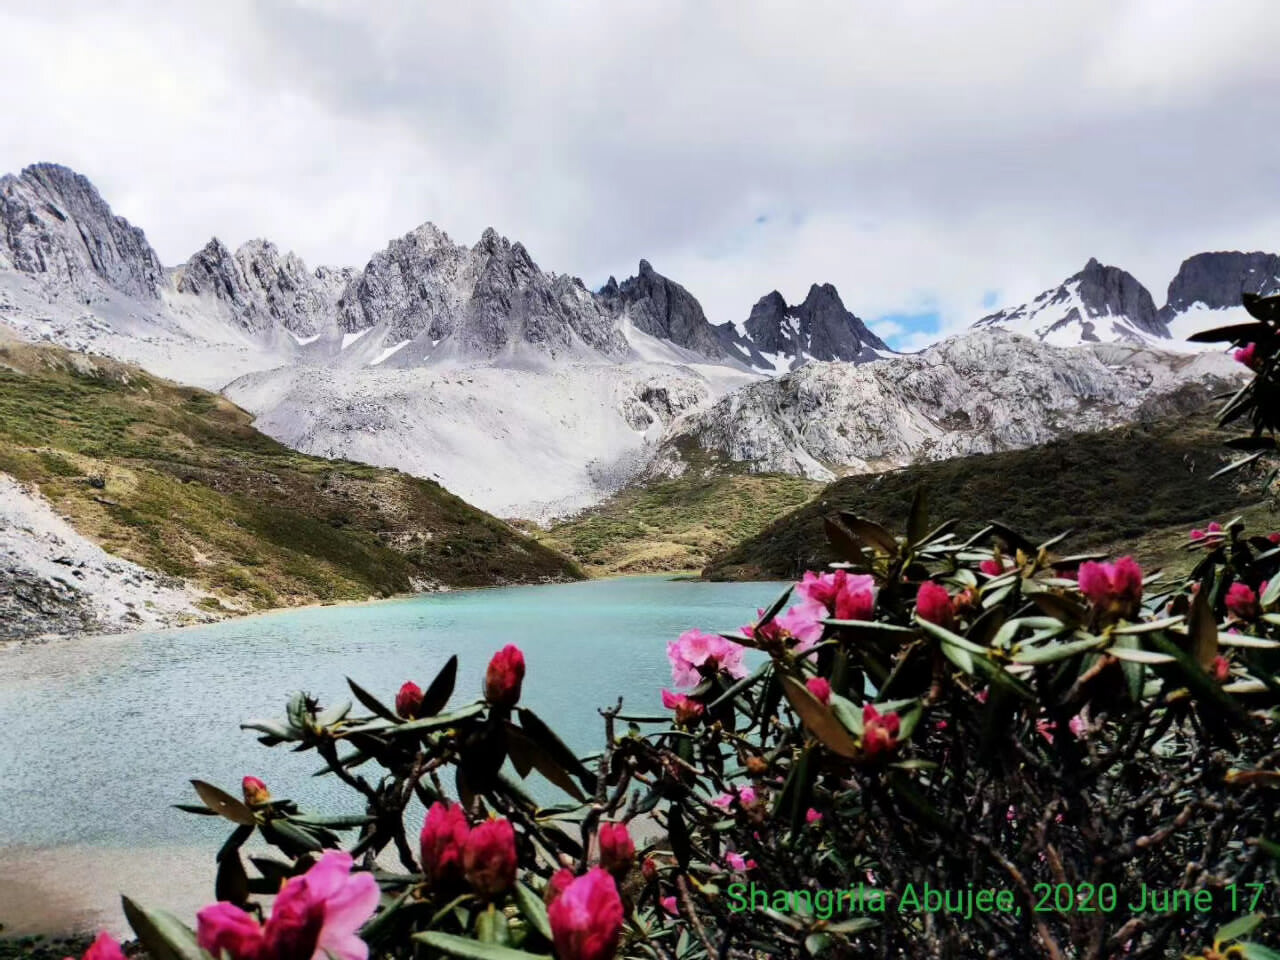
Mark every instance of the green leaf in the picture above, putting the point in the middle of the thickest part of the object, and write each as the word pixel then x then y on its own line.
pixel 1238 927
pixel 470 949
pixel 1202 630
pixel 1243 640
pixel 871 532
pixel 555 748
pixel 918 518
pixel 1272 593
pixel 1256 951
pixel 441 689
pixel 232 883
pixel 1053 652
pixel 224 804
pixel 846 544
pixel 1230 334
pixel 534 910
pixel 443 720
pixel 818 718
pixel 272 728
pixel 947 637
pixel 848 714
pixel 852 926
pixel 163 935
pixel 1236 465
pixel 291 838
pixel 371 702
pixel 1138 655
pixel 327 718
pixel 908 721
pixel 739 686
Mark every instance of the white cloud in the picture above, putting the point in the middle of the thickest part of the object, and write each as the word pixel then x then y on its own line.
pixel 914 155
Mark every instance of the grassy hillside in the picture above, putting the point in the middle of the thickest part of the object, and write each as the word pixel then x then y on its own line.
pixel 676 524
pixel 1135 488
pixel 177 480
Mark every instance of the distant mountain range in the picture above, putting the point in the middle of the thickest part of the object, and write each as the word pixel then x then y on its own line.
pixel 530 395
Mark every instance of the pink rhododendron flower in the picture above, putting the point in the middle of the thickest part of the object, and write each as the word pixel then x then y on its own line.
pixel 617 849
pixel 103 948
pixel 586 919
pixel 670 906
pixel 255 791
pixel 1221 669
pixel 993 567
pixel 687 709
pixel 1274 537
pixel 444 837
pixel 933 603
pixel 1113 587
pixel 315 916
pixel 489 857
pixel 1045 728
pixel 846 596
pixel 879 732
pixel 812 816
pixel 798 628
pixel 409 700
pixel 745 795
pixel 504 677
pixel 820 688
pixel 1242 602
pixel 1077 725
pixel 738 862
pixel 697 654
pixel 1248 355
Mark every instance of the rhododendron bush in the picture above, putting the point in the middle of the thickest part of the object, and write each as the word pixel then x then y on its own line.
pixel 935 712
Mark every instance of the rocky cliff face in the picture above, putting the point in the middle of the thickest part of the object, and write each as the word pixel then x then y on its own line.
pixel 986 391
pixel 820 328
pixel 484 302
pixel 54 225
pixel 662 308
pixel 1216 281
pixel 1100 304
pixel 263 289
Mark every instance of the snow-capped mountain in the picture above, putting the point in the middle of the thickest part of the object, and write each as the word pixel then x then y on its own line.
pixel 1104 304
pixel 777 337
pixel 1206 290
pixel 530 395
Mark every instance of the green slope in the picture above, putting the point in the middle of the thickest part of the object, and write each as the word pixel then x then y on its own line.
pixel 1133 489
pixel 177 479
pixel 676 524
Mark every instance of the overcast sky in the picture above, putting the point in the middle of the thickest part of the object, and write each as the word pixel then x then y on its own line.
pixel 926 157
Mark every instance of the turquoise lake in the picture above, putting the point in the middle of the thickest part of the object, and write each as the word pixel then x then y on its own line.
pixel 102 735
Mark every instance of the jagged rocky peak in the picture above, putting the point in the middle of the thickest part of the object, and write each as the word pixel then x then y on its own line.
pixel 663 308
pixel 1217 280
pixel 485 301
pixel 820 328
pixel 1099 304
pixel 54 224
pixel 263 289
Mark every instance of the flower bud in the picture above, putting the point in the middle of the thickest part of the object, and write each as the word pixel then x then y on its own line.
pixel 409 700
pixel 586 919
pixel 557 885
pixel 687 709
pixel 503 679
pixel 444 836
pixel 255 791
pixel 1242 602
pixel 1221 669
pixel 757 765
pixel 820 688
pixel 933 603
pixel 489 857
pixel 617 849
pixel 104 948
pixel 879 732
pixel 649 869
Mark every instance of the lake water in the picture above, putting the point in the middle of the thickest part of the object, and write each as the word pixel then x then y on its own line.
pixel 99 737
